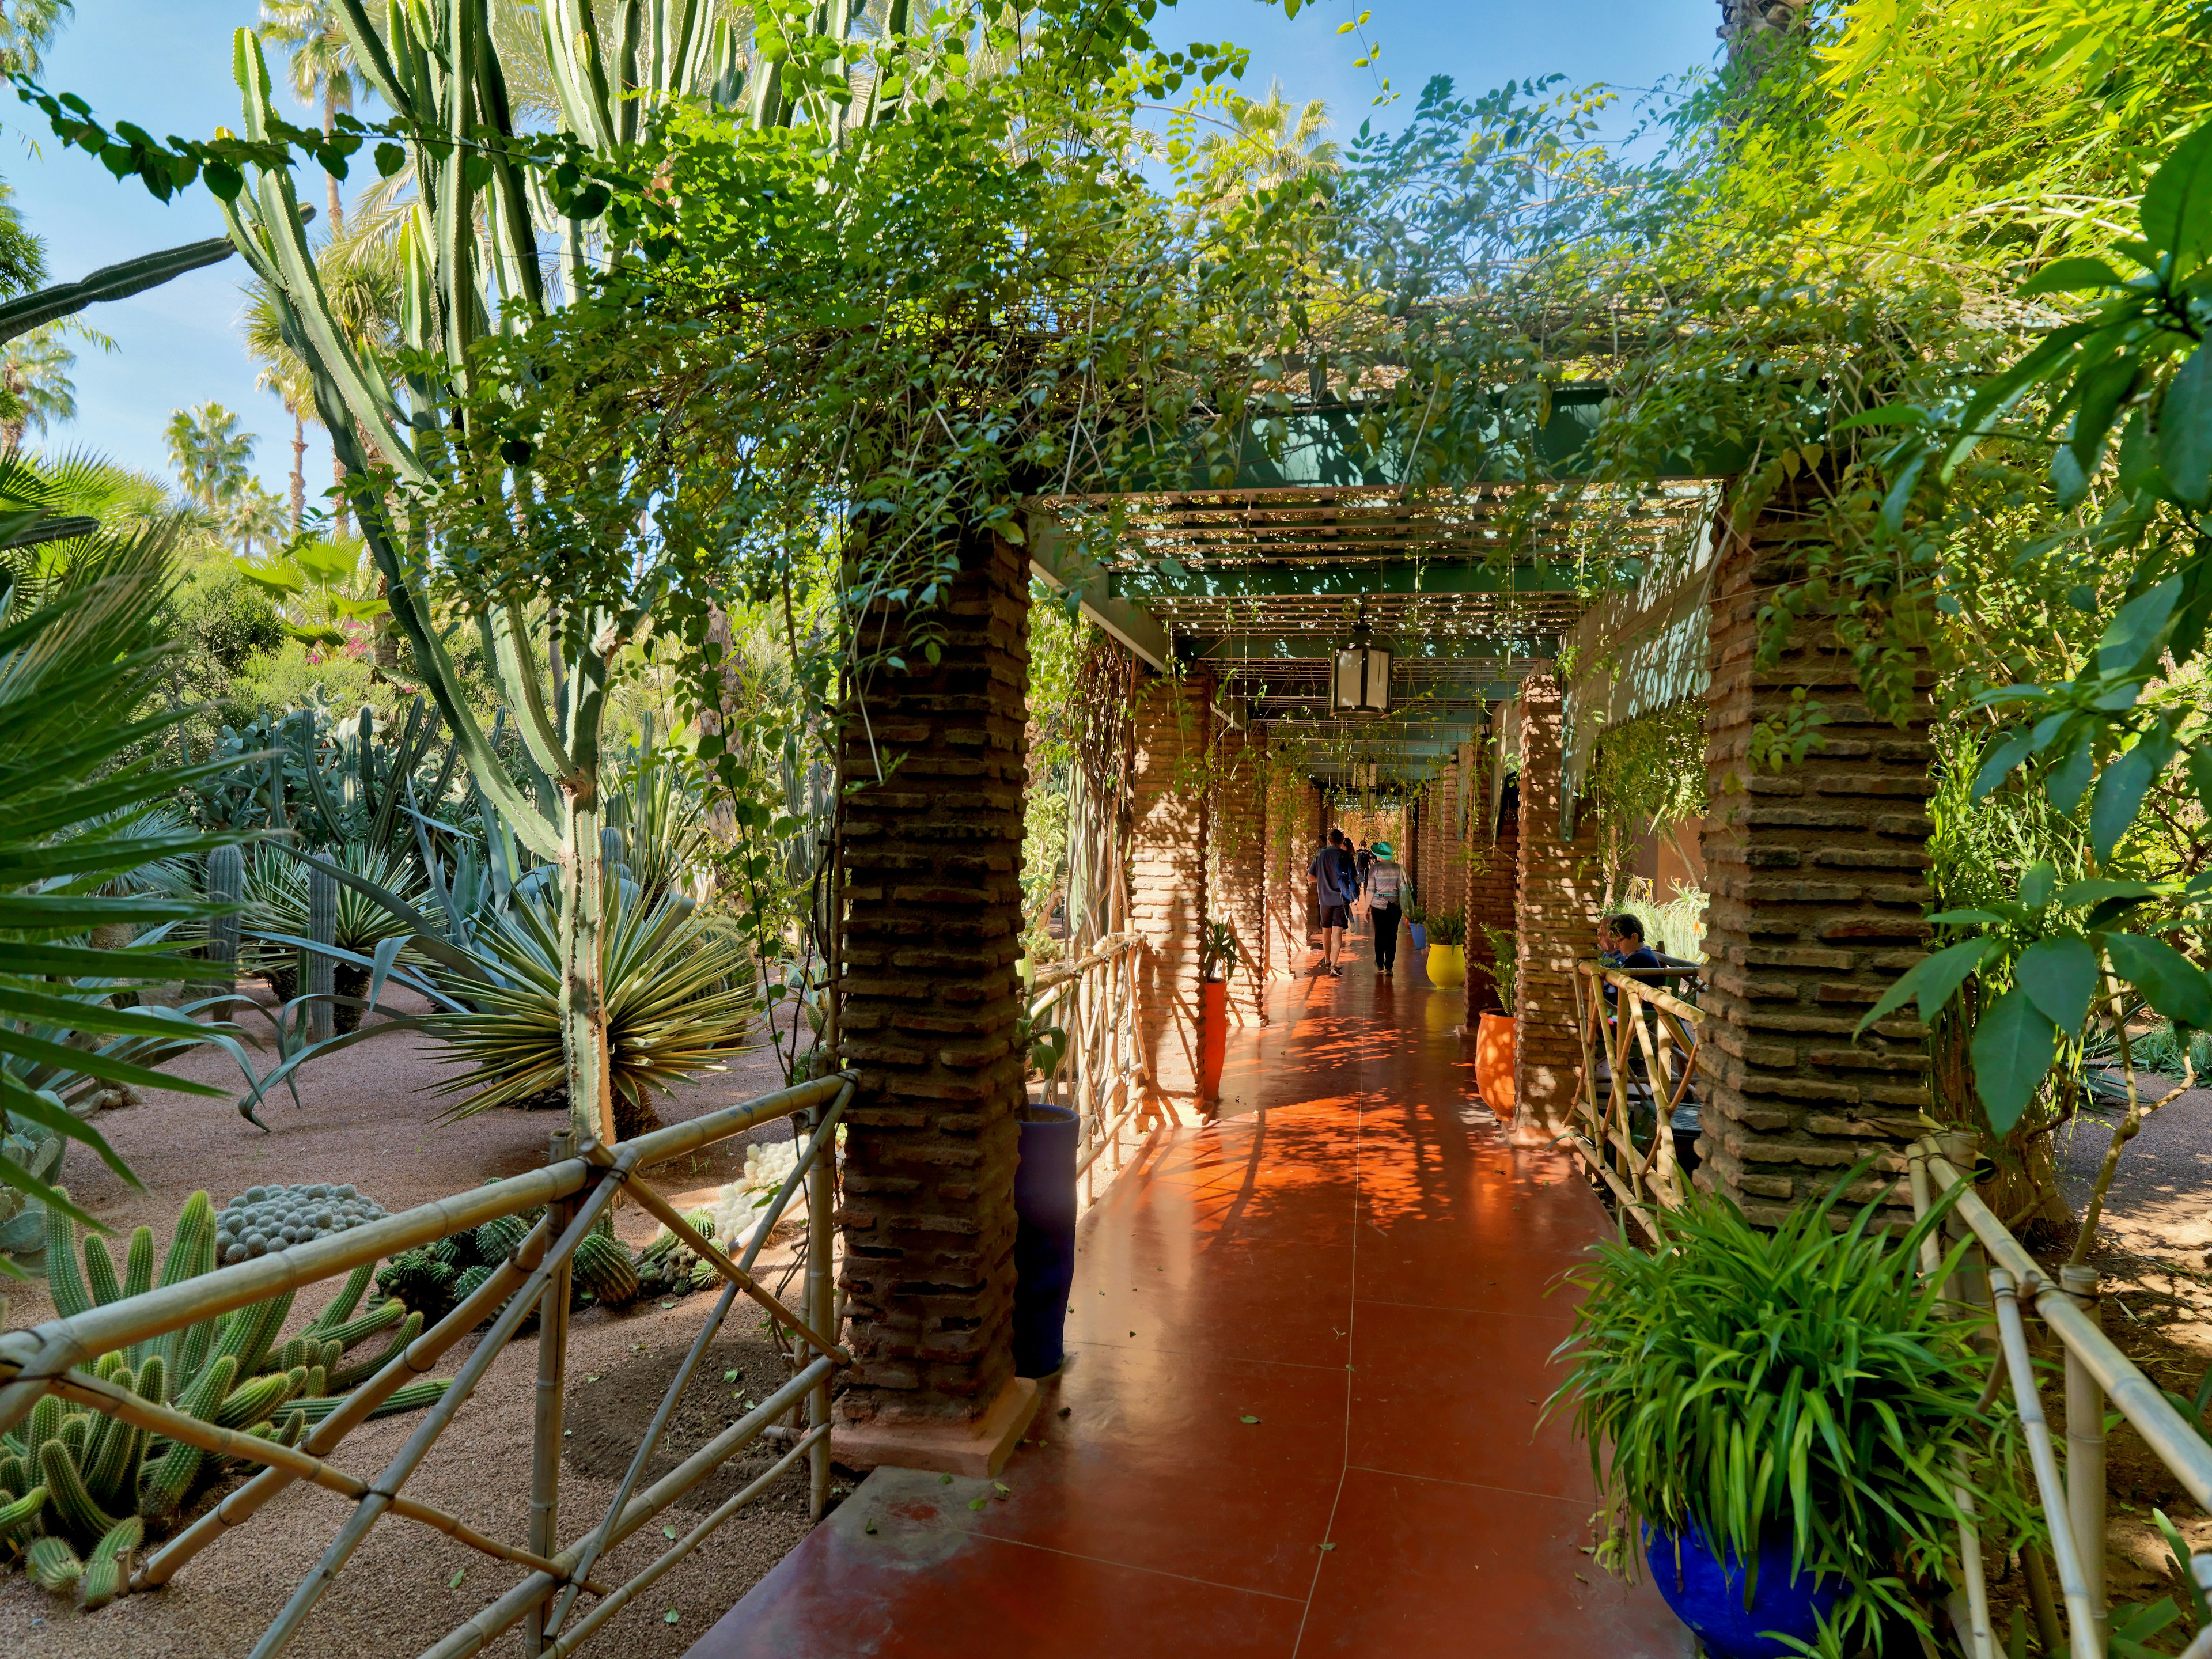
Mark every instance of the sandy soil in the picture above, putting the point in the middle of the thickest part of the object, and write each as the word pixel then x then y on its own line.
pixel 363 1118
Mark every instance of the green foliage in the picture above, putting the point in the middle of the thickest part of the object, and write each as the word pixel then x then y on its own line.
pixel 1503 968
pixel 1805 1380
pixel 1448 927
pixel 1217 951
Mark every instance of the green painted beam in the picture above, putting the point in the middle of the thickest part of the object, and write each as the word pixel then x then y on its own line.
pixel 1053 560
pixel 1315 647
pixel 1404 576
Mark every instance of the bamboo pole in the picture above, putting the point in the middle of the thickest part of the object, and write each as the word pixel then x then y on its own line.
pixel 814 1440
pixel 706 1246
pixel 589 1549
pixel 821 1305
pixel 549 1403
pixel 489 1622
pixel 127 1407
pixel 2169 1438
pixel 286 1625
pixel 2081 1617
pixel 2085 1451
pixel 415 1360
pixel 28 1358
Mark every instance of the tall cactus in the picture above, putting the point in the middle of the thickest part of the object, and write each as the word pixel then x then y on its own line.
pixel 318 971
pixel 226 885
pixel 470 251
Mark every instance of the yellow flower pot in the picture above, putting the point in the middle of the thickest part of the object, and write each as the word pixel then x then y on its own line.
pixel 1447 965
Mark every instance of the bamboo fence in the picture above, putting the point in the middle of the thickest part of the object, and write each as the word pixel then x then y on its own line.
pixel 1094 998
pixel 1646 1041
pixel 575 1190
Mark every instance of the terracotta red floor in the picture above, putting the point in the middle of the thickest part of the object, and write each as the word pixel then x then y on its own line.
pixel 1299 1414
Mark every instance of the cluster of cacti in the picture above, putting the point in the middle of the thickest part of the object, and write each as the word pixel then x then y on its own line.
pixel 668 1267
pixel 264 1218
pixel 78 1488
pixel 435 1277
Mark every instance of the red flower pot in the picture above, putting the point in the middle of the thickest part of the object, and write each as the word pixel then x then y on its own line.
pixel 1212 1037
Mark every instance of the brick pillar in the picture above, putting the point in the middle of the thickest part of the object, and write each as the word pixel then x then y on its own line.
pixel 1817 878
pixel 1288 799
pixel 1556 914
pixel 932 930
pixel 1167 877
pixel 1237 883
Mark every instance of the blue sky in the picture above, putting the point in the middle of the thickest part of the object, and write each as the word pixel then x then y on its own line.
pixel 166 64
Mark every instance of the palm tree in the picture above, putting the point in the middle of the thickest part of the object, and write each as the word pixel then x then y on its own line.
pixel 26 29
pixel 323 68
pixel 1275 144
pixel 208 452
pixel 35 388
pixel 253 514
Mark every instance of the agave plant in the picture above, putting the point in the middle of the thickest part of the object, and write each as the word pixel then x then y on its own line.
pixel 276 916
pixel 681 998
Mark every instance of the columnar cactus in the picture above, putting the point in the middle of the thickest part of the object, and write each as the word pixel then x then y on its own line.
pixel 89 1487
pixel 225 884
pixel 317 972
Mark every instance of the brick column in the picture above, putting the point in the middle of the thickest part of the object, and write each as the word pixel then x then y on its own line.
pixel 932 932
pixel 1236 882
pixel 1817 878
pixel 1561 890
pixel 1167 877
pixel 1289 806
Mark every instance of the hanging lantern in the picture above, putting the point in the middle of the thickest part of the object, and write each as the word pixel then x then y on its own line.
pixel 1359 676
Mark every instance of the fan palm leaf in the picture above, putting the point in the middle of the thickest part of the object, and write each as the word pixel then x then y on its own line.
pixel 80 653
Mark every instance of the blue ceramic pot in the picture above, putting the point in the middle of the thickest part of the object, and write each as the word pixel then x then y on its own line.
pixel 1419 930
pixel 1707 1594
pixel 1044 1236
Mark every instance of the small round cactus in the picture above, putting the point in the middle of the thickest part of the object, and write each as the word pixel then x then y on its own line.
pixel 264 1218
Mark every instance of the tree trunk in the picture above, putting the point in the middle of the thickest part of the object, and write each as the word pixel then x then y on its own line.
pixel 342 514
pixel 298 472
pixel 387 632
pixel 583 899
pixel 330 124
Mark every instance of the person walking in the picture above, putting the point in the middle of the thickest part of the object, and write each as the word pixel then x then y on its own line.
pixel 1336 884
pixel 1386 886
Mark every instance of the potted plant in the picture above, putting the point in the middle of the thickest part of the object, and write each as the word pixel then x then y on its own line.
pixel 1044 1207
pixel 1495 1032
pixel 1417 924
pixel 1779 1421
pixel 1217 963
pixel 1447 961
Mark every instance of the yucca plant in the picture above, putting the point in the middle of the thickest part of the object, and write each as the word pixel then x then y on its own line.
pixel 1806 1382
pixel 681 998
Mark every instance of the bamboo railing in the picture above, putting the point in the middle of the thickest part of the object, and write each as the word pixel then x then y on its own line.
pixel 575 1190
pixel 1998 1275
pixel 1648 1039
pixel 1094 998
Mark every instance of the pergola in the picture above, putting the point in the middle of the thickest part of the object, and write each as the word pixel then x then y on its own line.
pixel 1468 581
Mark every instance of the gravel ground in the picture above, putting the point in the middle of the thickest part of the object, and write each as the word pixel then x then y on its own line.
pixel 363 1118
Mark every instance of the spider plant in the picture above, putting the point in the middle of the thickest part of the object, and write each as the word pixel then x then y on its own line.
pixel 1807 1382
pixel 680 997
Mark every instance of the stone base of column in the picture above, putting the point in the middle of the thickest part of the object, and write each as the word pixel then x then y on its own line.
pixel 976 1449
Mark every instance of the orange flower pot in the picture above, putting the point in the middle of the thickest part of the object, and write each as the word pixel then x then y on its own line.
pixel 1493 1062
pixel 1212 1037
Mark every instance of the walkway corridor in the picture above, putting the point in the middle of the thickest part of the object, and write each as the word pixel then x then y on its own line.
pixel 1299 1413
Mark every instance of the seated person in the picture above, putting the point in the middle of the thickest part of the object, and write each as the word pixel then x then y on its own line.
pixel 1620 940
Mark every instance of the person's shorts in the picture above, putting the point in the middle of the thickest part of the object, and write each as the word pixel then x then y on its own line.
pixel 1336 916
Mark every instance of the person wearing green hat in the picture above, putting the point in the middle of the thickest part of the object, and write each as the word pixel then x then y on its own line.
pixel 1386 886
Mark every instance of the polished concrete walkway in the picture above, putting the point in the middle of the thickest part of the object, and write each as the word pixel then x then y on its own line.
pixel 1299 1414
